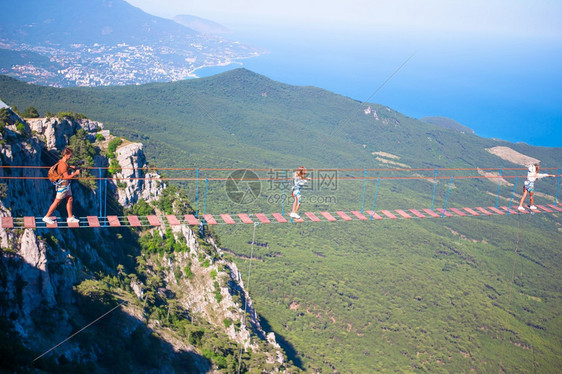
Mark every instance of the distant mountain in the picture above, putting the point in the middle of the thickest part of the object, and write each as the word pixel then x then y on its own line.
pixel 66 22
pixel 447 123
pixel 104 42
pixel 201 25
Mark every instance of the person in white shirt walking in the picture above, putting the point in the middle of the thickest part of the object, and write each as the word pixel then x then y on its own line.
pixel 529 185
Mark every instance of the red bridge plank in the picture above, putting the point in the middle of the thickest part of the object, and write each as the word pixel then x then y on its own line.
pixel 153 220
pixel 74 224
pixel 245 218
pixel 29 222
pixel 431 213
pixel 403 213
pixel 173 220
pixel 93 221
pixel 545 209
pixel 312 216
pixel 262 218
pixel 417 213
pixel 445 213
pixel 359 215
pixel 191 220
pixel 555 207
pixel 328 216
pixel 484 211
pixel 279 217
pixel 134 221
pixel 113 221
pixel 474 213
pixel 509 211
pixel 209 219
pixel 388 214
pixel 344 216
pixel 7 222
pixel 228 219
pixel 495 210
pixel 459 212
pixel 373 214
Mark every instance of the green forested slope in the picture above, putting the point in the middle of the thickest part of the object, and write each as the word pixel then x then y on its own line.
pixel 446 295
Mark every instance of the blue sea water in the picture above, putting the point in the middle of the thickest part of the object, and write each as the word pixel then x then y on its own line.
pixel 506 88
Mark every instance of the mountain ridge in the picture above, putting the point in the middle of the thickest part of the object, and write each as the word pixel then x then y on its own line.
pixel 105 42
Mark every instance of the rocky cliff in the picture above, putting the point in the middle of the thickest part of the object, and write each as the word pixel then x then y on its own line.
pixel 178 305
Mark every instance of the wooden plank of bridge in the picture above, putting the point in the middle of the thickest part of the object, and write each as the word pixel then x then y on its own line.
pixel 262 218
pixel 344 216
pixel 209 219
pixel 8 222
pixel 113 221
pixel 417 213
pixel 545 209
pixel 373 214
pixel 359 215
pixel 509 211
pixel 134 221
pixel 431 213
pixel 228 219
pixel 312 216
pixel 403 213
pixel 93 221
pixel 245 218
pixel 191 220
pixel 388 214
pixel 74 225
pixel 29 222
pixel 173 220
pixel 446 213
pixel 496 210
pixel 279 217
pixel 471 211
pixel 328 216
pixel 555 207
pixel 459 212
pixel 484 211
pixel 153 220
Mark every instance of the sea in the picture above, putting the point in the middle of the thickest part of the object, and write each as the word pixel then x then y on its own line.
pixel 502 87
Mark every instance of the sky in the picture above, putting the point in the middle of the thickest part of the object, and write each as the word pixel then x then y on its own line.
pixel 492 65
pixel 508 17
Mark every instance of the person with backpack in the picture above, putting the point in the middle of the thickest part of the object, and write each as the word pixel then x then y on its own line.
pixel 299 180
pixel 529 185
pixel 60 176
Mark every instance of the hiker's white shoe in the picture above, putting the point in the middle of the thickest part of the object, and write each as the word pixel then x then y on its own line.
pixel 48 220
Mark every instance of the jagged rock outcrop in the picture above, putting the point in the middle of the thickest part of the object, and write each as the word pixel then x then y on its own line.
pixel 56 132
pixel 136 182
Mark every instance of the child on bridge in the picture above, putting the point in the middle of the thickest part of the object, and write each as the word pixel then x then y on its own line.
pixel 299 180
pixel 529 186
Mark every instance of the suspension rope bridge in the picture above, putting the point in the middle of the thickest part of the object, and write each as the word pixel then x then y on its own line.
pixel 198 219
pixel 266 218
